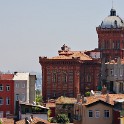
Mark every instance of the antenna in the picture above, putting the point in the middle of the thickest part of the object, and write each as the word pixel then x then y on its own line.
pixel 112 4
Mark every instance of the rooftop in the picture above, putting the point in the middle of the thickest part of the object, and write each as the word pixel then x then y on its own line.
pixel 112 98
pixel 65 100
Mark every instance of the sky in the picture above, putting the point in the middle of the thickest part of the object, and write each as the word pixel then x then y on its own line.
pixel 33 28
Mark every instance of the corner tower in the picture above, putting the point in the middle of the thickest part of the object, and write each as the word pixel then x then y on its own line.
pixel 111 36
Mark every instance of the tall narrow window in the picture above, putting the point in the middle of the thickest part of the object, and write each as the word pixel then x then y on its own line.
pixel 17 97
pixel 7 100
pixel 7 88
pixel 54 79
pixel 1 101
pixel 64 78
pixel 1 87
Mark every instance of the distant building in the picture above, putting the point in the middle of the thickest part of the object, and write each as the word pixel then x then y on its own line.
pixel 68 74
pixel 6 95
pixel 24 87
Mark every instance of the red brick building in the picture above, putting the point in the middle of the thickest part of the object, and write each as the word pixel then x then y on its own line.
pixel 68 74
pixel 6 94
pixel 111 37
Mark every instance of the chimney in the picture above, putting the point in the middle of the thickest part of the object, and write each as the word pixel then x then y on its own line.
pixel 83 99
pixel 78 97
pixel 26 120
pixel 107 98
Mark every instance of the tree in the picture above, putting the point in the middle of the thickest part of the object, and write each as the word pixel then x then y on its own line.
pixel 39 100
pixel 62 118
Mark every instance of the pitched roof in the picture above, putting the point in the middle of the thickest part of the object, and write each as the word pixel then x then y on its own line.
pixel 6 76
pixel 35 120
pixel 112 98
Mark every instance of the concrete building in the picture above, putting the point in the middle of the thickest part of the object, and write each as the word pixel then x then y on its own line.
pixel 24 87
pixel 68 74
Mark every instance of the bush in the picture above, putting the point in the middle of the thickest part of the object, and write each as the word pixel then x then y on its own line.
pixel 87 93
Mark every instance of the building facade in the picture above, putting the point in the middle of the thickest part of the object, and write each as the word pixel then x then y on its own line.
pixel 24 87
pixel 6 95
pixel 68 74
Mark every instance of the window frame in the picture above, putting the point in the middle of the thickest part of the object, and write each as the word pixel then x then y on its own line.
pixel 106 112
pixel 90 112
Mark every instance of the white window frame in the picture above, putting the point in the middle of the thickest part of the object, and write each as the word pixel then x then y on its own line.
pixel 1 87
pixel 89 113
pixel 17 85
pixel 97 114
pixel 23 97
pixel 23 85
pixel 105 113
pixel 7 88
pixel 7 101
pixel 1 99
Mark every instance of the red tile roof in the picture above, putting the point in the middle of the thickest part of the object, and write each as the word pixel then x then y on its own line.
pixel 112 98
pixel 7 121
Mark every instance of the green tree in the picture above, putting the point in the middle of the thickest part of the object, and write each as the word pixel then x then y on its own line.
pixel 39 100
pixel 62 118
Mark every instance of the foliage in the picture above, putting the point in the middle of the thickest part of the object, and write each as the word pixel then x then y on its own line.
pixel 87 93
pixel 39 100
pixel 0 121
pixel 62 118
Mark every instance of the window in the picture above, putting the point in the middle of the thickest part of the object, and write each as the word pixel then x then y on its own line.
pixel 7 100
pixel 1 87
pixel 23 97
pixel 97 114
pixel 17 85
pixel 64 78
pixel 112 72
pixel 1 101
pixel 17 97
pixel 7 113
pixel 23 85
pixel 7 88
pixel 54 78
pixel 90 113
pixel 106 113
pixel 1 114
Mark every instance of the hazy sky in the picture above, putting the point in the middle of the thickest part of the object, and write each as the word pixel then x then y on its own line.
pixel 33 28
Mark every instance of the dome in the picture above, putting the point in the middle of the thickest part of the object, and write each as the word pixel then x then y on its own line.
pixel 112 21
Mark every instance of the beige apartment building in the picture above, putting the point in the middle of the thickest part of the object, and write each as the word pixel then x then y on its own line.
pixel 97 109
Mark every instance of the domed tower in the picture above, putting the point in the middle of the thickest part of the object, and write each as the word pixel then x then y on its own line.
pixel 111 37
